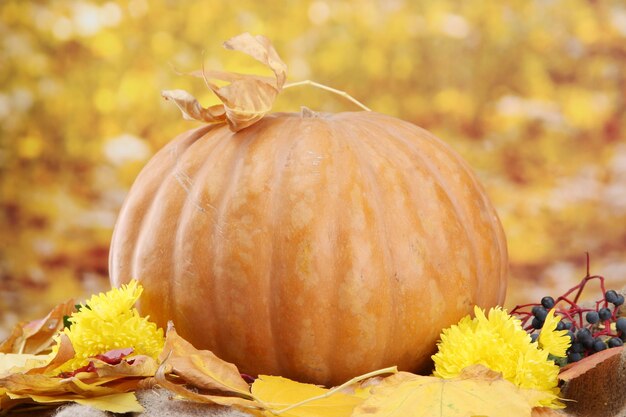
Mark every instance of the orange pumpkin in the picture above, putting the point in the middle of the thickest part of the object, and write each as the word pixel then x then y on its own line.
pixel 312 246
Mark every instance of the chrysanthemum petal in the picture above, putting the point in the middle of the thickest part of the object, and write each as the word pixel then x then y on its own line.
pixel 555 342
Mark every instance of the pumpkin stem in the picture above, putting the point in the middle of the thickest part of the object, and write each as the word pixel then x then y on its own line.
pixel 327 88
pixel 307 113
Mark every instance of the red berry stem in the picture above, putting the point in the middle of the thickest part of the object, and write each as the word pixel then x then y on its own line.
pixel 590 329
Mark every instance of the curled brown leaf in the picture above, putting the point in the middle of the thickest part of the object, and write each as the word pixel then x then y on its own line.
pixel 137 366
pixel 260 48
pixel 64 353
pixel 246 102
pixel 178 386
pixel 191 108
pixel 201 368
pixel 246 98
pixel 12 343
pixel 38 335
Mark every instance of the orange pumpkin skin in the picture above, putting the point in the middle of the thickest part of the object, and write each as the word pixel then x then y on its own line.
pixel 313 246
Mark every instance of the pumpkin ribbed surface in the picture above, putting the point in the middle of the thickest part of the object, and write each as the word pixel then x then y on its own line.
pixel 312 246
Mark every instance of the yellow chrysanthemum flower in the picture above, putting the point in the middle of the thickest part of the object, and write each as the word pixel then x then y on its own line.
pixel 554 341
pixel 108 321
pixel 500 343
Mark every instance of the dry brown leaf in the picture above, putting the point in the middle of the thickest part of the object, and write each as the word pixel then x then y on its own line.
pixel 191 108
pixel 136 366
pixel 246 101
pixel 260 48
pixel 247 98
pixel 64 353
pixel 478 391
pixel 230 76
pixel 12 343
pixel 38 384
pixel 199 375
pixel 178 386
pixel 201 368
pixel 37 336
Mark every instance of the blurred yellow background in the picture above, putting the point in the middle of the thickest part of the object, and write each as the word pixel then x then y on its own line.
pixel 531 92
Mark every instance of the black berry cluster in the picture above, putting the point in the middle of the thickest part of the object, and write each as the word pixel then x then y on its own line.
pixel 591 328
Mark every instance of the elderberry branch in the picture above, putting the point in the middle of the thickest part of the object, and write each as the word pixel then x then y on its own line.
pixel 593 326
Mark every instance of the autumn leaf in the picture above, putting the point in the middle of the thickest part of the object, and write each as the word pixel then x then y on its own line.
pixel 20 362
pixel 12 343
pixel 246 98
pixel 199 375
pixel 47 389
pixel 128 371
pixel 137 366
pixel 64 353
pixel 107 382
pixel 478 391
pixel 38 384
pixel 191 108
pixel 38 335
pixel 178 386
pixel 246 101
pixel 201 368
pixel 260 48
pixel 98 379
pixel 279 393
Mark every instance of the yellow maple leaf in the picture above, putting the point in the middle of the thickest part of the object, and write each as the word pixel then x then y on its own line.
pixel 280 393
pixel 478 391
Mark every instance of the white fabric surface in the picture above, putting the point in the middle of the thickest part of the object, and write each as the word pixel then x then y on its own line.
pixel 157 403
